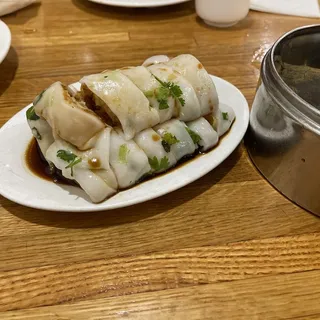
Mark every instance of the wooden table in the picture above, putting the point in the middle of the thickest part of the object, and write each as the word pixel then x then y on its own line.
pixel 228 246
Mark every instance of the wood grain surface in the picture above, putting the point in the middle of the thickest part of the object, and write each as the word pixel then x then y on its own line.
pixel 227 246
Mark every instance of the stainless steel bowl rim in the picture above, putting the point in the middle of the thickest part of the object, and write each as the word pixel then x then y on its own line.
pixel 282 94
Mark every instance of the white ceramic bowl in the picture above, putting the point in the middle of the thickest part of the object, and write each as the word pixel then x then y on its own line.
pixel 222 13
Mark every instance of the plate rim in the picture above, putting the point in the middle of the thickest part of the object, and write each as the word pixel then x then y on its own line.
pixel 135 4
pixel 7 34
pixel 102 206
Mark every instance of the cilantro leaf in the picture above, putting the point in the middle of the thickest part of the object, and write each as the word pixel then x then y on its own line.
pixel 69 157
pixel 169 89
pixel 194 136
pixel 161 82
pixel 162 95
pixel 175 90
pixel 31 114
pixel 163 104
pixel 158 166
pixel 166 146
pixel 154 163
pixel 182 101
pixel 66 155
pixel 72 164
pixel 170 138
pixel 164 163
pixel 225 115
pixel 123 153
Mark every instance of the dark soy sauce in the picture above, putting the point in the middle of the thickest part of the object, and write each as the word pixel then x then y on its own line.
pixel 37 164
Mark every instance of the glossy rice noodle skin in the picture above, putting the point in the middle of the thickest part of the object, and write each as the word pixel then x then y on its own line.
pixel 42 131
pixel 127 160
pixel 152 145
pixel 224 119
pixel 93 173
pixel 148 84
pixel 209 137
pixel 192 69
pixel 184 146
pixel 188 111
pixel 68 119
pixel 122 100
pixel 155 60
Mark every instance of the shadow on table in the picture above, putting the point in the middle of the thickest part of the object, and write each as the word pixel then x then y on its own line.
pixel 125 215
pixel 23 15
pixel 144 14
pixel 8 69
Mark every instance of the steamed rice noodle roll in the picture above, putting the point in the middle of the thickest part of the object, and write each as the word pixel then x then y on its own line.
pixel 155 60
pixel 203 134
pixel 90 169
pixel 127 160
pixel 40 129
pixel 150 87
pixel 69 119
pixel 173 84
pixel 222 120
pixel 175 134
pixel 158 152
pixel 192 69
pixel 119 101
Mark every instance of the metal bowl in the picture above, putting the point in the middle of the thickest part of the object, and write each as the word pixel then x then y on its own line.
pixel 283 139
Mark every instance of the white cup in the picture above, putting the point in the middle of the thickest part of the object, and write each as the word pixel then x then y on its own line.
pixel 222 13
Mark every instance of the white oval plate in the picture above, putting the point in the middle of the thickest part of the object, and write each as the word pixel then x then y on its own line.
pixel 5 40
pixel 139 3
pixel 20 185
